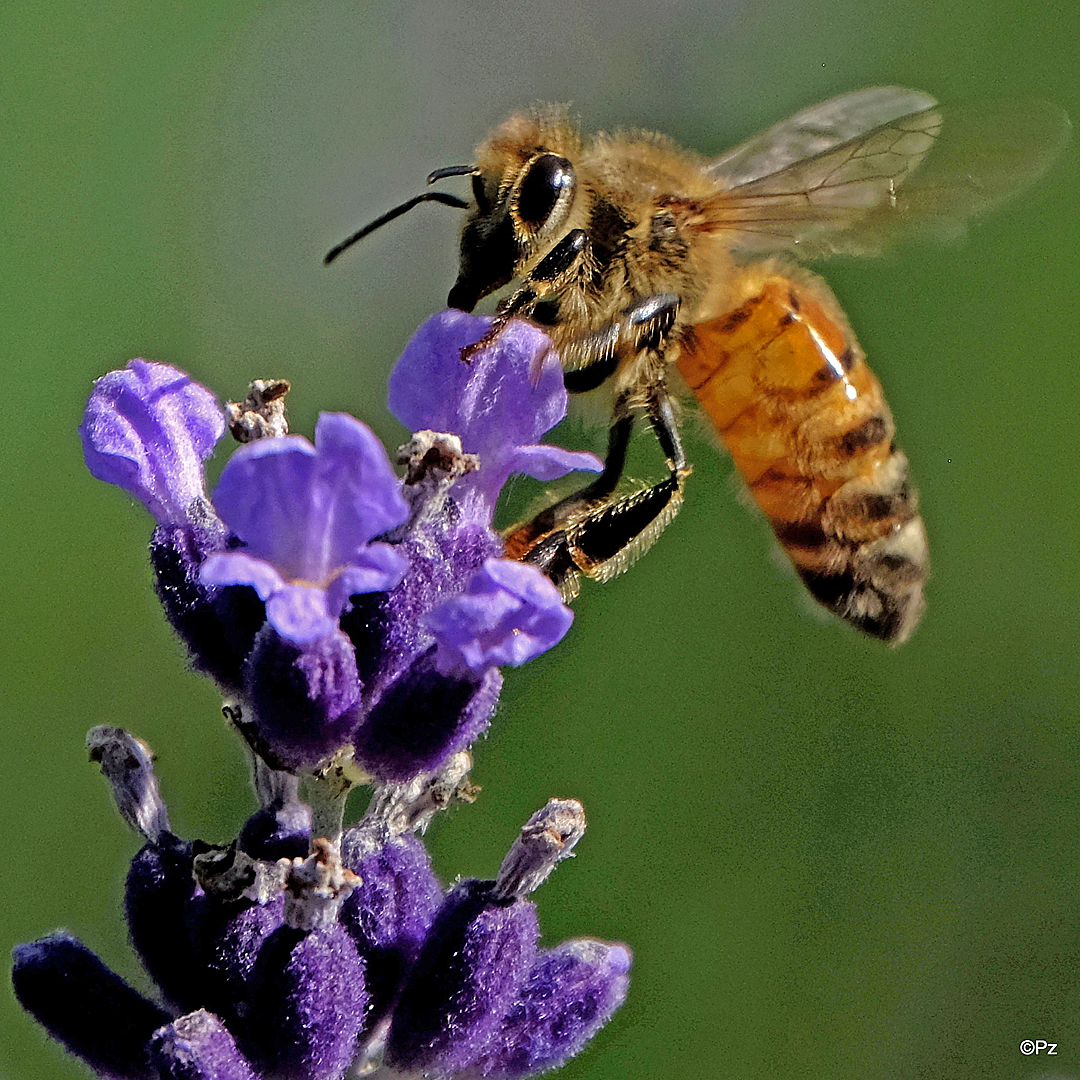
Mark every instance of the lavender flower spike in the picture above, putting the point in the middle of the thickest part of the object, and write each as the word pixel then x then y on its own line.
pixel 148 429
pixel 499 404
pixel 306 516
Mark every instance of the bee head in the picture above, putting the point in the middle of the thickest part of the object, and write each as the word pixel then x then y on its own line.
pixel 524 188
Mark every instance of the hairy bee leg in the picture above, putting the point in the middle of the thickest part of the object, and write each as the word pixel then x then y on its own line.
pixel 552 271
pixel 521 538
pixel 594 357
pixel 592 534
pixel 662 417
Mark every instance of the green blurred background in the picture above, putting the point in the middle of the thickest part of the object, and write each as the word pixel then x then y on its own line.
pixel 831 859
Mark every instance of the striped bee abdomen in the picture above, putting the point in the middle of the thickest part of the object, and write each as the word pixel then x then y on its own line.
pixel 786 386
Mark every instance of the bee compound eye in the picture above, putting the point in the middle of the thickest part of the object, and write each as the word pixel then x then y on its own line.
pixel 545 182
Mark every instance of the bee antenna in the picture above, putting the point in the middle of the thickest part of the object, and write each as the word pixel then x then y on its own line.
pixel 405 207
pixel 451 170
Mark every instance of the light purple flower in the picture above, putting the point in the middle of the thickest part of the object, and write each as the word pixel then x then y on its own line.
pixel 509 613
pixel 306 516
pixel 148 429
pixel 499 404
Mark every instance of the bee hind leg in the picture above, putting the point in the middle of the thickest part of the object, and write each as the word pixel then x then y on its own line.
pixel 599 535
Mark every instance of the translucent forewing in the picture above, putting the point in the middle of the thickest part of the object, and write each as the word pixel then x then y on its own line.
pixel 858 196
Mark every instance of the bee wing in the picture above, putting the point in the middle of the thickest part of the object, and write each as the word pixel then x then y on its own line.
pixel 815 131
pixel 856 193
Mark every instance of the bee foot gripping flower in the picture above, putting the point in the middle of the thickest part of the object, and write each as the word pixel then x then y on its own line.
pixel 300 968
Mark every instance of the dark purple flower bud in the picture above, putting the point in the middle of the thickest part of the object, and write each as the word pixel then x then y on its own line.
pixel 306 516
pixel 148 429
pixel 509 613
pixel 423 718
pixel 85 1006
pixel 218 625
pixel 281 827
pixel 470 972
pixel 499 404
pixel 390 912
pixel 227 940
pixel 309 1004
pixel 278 832
pixel 303 698
pixel 571 993
pixel 198 1047
pixel 158 894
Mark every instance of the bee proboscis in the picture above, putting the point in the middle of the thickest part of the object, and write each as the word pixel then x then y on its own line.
pixel 638 257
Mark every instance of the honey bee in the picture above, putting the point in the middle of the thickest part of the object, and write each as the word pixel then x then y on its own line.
pixel 641 259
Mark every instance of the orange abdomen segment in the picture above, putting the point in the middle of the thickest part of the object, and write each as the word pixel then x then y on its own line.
pixel 788 390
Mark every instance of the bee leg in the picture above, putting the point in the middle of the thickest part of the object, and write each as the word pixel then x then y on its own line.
pixel 593 534
pixel 662 417
pixel 595 356
pixel 559 265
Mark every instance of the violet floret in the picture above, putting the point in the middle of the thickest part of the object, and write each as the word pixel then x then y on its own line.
pixel 499 403
pixel 306 517
pixel 509 613
pixel 148 429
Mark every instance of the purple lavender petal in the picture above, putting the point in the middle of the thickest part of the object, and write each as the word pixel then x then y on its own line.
pixel 304 698
pixel 378 568
pixel 571 993
pixel 365 491
pixel 198 1047
pixel 158 897
pixel 264 496
pixel 550 462
pixel 309 1005
pixel 472 968
pixel 390 912
pixel 148 429
pixel 310 510
pixel 85 1006
pixel 299 614
pixel 424 717
pixel 510 613
pixel 499 403
pixel 512 392
pixel 239 568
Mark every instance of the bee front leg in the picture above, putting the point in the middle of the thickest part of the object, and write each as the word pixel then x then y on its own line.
pixel 560 265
